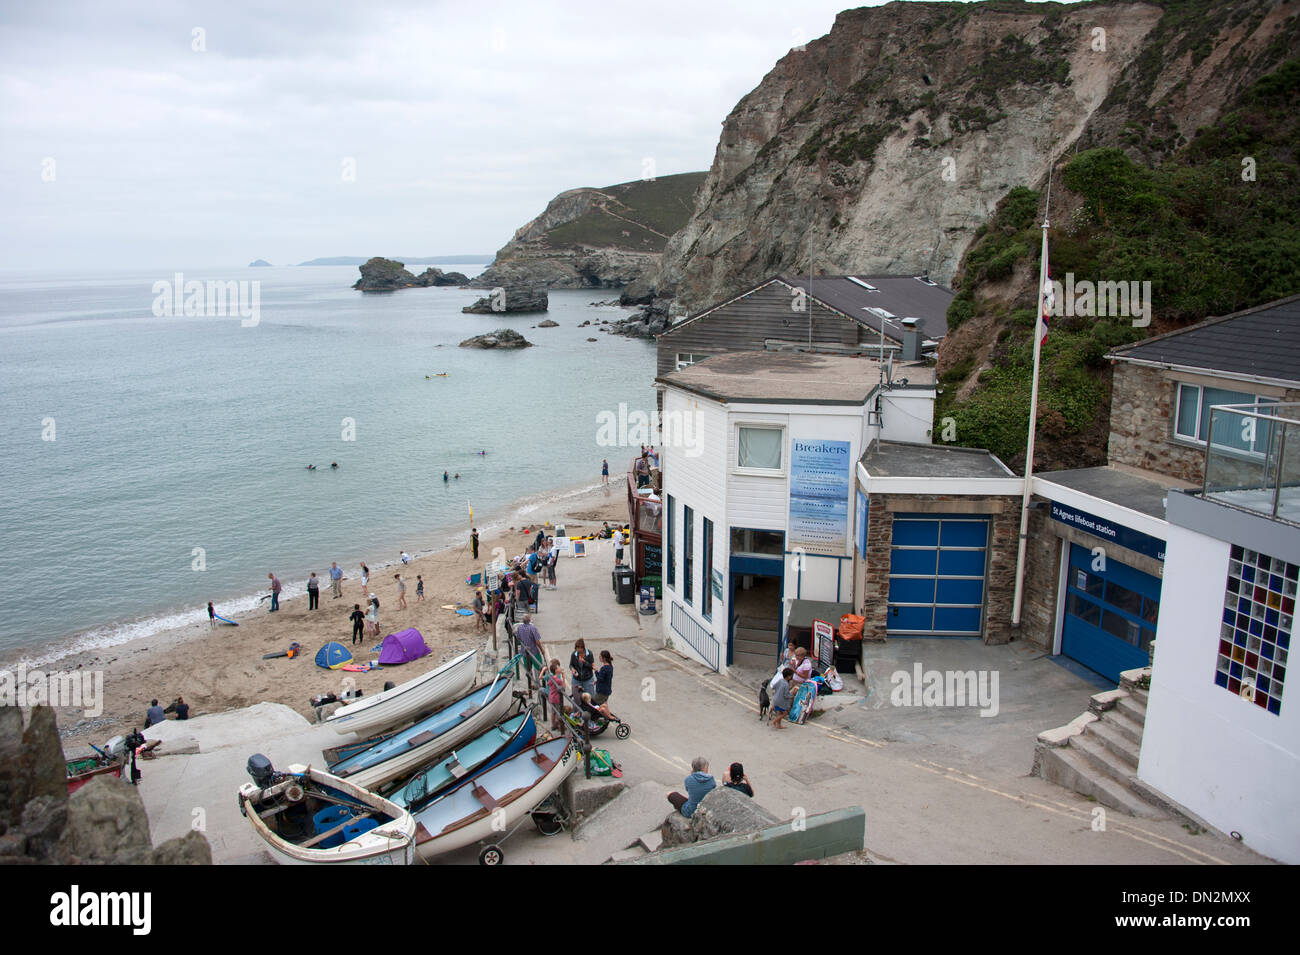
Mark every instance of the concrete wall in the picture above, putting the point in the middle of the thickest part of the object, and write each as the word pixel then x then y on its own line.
pixel 1142 419
pixel 818 837
pixel 873 599
pixel 1226 759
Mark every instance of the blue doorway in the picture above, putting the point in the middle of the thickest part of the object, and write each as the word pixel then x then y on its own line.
pixel 1111 611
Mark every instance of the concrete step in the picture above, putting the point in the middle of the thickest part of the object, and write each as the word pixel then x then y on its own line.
pixel 766 637
pixel 1121 746
pixel 1100 703
pixel 651 841
pixel 761 661
pixel 1103 761
pixel 760 647
pixel 1066 766
pixel 1132 707
pixel 758 623
pixel 1125 725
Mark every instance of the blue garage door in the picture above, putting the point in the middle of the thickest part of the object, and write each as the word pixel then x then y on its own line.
pixel 936 576
pixel 1110 614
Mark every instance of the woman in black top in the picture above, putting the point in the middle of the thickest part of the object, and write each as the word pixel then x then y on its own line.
pixel 582 666
pixel 737 780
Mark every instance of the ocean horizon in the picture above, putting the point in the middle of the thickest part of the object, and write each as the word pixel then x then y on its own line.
pixel 159 461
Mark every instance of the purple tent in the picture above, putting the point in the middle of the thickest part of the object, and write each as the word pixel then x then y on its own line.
pixel 402 647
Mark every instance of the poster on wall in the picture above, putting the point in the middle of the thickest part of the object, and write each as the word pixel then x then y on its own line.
pixel 820 473
pixel 716 583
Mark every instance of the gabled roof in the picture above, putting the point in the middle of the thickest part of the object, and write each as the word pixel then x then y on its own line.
pixel 1258 343
pixel 849 296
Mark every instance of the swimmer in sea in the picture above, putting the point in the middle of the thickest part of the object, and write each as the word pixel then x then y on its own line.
pixel 311 467
pixel 334 466
pixel 445 477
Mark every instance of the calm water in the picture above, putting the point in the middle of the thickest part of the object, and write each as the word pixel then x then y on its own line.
pixel 176 433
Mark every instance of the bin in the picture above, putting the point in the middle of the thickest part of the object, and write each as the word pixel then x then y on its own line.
pixel 647 600
pixel 625 585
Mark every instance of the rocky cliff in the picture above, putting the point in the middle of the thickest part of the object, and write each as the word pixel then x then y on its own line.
pixel 596 238
pixel 884 145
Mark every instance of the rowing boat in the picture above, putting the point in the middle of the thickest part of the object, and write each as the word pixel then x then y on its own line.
pixel 404 703
pixel 373 762
pixel 488 805
pixel 481 753
pixel 307 816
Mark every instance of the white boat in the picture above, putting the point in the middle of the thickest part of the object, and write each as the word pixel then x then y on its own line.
pixel 371 763
pixel 307 816
pixel 403 703
pixel 487 806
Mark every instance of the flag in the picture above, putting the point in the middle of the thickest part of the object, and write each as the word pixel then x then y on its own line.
pixel 1047 296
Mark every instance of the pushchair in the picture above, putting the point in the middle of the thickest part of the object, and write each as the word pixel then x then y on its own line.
pixel 596 722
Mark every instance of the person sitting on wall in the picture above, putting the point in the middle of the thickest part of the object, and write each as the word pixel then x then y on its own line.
pixel 698 785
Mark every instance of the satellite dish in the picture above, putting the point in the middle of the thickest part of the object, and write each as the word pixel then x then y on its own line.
pixel 889 368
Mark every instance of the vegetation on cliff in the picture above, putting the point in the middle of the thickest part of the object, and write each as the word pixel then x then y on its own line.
pixel 1214 228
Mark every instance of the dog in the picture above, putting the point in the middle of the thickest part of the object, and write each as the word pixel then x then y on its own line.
pixel 764 701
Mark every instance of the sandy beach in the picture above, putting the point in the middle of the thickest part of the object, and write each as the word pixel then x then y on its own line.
pixel 222 668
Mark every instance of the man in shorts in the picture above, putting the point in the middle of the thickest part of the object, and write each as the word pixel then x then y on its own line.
pixel 530 645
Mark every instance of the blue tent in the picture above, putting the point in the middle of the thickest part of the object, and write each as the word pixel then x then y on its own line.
pixel 333 655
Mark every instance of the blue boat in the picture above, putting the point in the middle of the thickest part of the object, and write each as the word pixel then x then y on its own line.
pixel 496 745
pixel 381 759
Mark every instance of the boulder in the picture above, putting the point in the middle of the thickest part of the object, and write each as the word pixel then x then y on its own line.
pixel 722 812
pixel 383 275
pixel 514 298
pixel 548 324
pixel 106 825
pixel 189 849
pixel 501 338
pixel 437 278
pixel 42 760
pixel 676 830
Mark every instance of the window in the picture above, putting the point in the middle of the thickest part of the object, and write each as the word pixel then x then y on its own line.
pixel 1192 419
pixel 686 359
pixel 688 548
pixel 672 568
pixel 706 582
pixel 745 540
pixel 1258 619
pixel 759 448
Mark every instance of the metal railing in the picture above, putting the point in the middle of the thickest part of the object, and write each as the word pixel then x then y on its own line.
pixel 699 639
pixel 1252 458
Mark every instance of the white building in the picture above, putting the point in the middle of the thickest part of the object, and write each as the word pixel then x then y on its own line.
pixel 759 518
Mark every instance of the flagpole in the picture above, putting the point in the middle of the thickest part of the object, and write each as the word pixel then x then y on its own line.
pixel 1033 417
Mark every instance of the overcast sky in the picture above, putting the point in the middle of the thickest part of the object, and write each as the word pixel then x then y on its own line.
pixel 145 135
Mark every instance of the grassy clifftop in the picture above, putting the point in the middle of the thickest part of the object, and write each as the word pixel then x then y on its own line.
pixel 639 215
pixel 1214 228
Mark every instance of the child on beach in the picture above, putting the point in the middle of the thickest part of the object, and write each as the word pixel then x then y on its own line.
pixel 782 696
pixel 419 588
pixel 212 615
pixel 401 591
pixel 358 622
pixel 555 693
pixel 365 576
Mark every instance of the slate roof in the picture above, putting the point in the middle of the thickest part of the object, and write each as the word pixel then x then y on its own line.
pixel 1260 342
pixel 901 296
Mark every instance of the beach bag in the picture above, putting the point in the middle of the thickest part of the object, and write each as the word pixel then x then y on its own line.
pixel 602 764
pixel 834 680
pixel 851 626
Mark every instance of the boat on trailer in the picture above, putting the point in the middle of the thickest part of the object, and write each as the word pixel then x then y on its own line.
pixel 307 816
pixel 404 703
pixel 483 752
pixel 380 759
pixel 490 804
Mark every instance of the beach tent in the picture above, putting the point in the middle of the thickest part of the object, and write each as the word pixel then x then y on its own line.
pixel 333 655
pixel 402 647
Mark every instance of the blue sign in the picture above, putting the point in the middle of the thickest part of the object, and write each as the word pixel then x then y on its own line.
pixel 1109 531
pixel 819 495
pixel 862 522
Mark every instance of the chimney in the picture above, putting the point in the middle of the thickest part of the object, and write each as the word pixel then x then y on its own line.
pixel 911 340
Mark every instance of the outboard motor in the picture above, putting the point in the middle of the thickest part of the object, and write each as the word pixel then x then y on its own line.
pixel 389 685
pixel 261 770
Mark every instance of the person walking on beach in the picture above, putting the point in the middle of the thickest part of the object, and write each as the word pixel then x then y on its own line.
pixel 313 592
pixel 530 645
pixel 419 588
pixel 372 616
pixel 358 623
pixel 551 561
pixel 473 541
pixel 212 616
pixel 401 591
pixel 604 471
pixel 275 593
pixel 336 578
pixel 365 577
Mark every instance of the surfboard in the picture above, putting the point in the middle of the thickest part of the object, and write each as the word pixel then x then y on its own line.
pixel 229 623
pixel 804 697
pixel 465 613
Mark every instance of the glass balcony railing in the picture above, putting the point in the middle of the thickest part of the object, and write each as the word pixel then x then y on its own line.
pixel 1252 458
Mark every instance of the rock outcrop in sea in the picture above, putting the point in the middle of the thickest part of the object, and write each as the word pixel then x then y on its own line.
pixel 259 264
pixel 387 275
pixel 596 238
pixel 501 338
pixel 513 299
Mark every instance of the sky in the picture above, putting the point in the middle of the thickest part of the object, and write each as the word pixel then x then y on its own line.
pixel 159 134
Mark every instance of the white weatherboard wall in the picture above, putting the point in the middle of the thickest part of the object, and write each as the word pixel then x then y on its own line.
pixel 1225 759
pixel 696 477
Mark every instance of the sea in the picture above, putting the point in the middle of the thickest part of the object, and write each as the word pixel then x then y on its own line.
pixel 153 461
